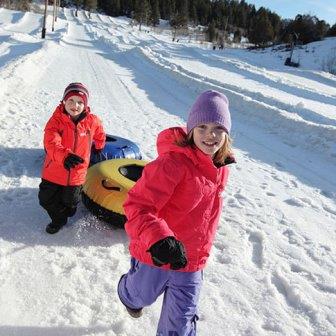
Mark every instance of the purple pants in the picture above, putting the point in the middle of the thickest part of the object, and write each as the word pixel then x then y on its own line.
pixel 142 285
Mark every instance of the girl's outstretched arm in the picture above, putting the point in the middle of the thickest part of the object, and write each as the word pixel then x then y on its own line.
pixel 149 195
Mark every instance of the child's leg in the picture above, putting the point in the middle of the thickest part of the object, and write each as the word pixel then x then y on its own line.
pixel 70 199
pixel 60 202
pixel 142 285
pixel 179 309
pixel 50 195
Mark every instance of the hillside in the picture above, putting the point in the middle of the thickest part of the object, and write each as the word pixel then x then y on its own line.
pixel 272 268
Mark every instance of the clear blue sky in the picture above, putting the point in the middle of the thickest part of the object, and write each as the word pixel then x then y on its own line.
pixel 288 9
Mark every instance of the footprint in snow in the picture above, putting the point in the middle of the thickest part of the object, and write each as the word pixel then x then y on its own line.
pixel 264 186
pixel 257 239
pixel 243 200
pixel 318 282
pixel 276 177
pixel 233 203
pixel 301 202
pixel 293 183
pixel 329 209
pixel 294 202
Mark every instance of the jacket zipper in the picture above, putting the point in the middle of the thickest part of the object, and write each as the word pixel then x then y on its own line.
pixel 89 139
pixel 74 150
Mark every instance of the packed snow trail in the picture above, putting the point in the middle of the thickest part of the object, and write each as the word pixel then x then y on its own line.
pixel 272 269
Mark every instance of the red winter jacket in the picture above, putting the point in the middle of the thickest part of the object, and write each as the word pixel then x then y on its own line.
pixel 180 195
pixel 61 137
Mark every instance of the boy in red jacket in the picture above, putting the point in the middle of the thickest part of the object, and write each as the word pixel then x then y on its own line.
pixel 68 136
pixel 173 212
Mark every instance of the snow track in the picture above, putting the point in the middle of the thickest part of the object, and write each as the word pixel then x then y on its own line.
pixel 272 269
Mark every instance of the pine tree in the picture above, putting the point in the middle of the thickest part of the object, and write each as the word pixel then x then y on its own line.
pixel 321 29
pixel 262 31
pixel 193 12
pixel 155 13
pixel 141 12
pixel 211 32
pixel 90 5
pixel 332 31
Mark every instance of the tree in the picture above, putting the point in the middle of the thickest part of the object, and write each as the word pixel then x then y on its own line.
pixel 237 36
pixel 262 30
pixel 211 32
pixel 193 12
pixel 167 8
pixel 78 3
pixel 307 27
pixel 179 20
pixel 332 31
pixel 21 5
pixel 276 24
pixel 155 13
pixel 141 12
pixel 90 5
pixel 321 29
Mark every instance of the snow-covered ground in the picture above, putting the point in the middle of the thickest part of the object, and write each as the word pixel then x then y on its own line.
pixel 273 264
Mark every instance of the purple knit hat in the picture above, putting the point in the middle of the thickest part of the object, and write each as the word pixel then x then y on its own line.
pixel 210 107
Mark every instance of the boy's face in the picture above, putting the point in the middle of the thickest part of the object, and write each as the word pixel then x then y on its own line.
pixel 209 138
pixel 74 105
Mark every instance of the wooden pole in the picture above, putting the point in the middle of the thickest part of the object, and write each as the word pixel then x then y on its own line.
pixel 57 8
pixel 44 19
pixel 54 16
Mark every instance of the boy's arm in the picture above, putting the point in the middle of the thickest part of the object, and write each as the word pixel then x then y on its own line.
pixel 53 142
pixel 99 136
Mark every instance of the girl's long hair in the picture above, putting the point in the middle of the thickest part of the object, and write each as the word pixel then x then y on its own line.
pixel 220 156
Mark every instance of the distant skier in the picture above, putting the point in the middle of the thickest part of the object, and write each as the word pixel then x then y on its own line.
pixel 173 212
pixel 68 136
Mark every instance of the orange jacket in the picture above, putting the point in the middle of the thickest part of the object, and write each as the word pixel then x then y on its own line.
pixel 179 194
pixel 61 137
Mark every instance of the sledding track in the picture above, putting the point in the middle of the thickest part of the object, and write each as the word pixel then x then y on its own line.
pixel 272 268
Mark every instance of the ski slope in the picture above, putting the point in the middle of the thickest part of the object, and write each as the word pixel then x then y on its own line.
pixel 273 264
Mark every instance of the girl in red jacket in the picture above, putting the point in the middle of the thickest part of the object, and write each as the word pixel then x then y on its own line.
pixel 173 211
pixel 68 136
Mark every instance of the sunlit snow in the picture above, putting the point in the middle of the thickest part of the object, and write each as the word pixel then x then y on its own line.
pixel 273 265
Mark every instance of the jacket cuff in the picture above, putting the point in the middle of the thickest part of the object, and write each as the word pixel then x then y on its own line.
pixel 152 236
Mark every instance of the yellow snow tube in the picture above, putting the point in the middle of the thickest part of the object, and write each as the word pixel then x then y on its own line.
pixel 106 187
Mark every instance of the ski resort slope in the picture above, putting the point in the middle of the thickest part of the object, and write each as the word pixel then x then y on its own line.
pixel 273 265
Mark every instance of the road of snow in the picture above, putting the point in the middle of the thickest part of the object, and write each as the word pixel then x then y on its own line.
pixel 272 269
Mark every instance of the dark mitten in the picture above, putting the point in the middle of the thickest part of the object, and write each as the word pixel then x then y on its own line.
pixel 71 161
pixel 168 251
pixel 178 259
pixel 98 153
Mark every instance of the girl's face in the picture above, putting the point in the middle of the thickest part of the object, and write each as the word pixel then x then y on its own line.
pixel 209 138
pixel 74 105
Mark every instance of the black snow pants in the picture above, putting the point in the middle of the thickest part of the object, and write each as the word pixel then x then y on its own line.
pixel 59 201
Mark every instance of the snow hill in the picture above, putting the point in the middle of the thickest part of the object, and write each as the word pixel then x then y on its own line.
pixel 273 265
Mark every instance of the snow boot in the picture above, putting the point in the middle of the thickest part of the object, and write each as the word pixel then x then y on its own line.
pixel 53 228
pixel 136 313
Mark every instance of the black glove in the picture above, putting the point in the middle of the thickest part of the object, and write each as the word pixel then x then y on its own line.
pixel 98 153
pixel 71 161
pixel 168 251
